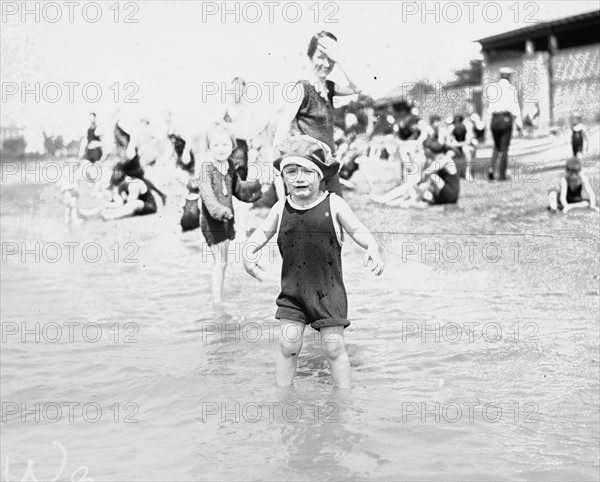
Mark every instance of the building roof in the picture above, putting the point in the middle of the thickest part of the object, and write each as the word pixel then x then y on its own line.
pixel 572 23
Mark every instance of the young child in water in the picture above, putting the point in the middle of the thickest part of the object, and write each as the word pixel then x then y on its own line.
pixel 574 192
pixel 218 182
pixel 309 224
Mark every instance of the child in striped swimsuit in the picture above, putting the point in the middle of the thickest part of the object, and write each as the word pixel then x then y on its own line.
pixel 309 224
pixel 218 182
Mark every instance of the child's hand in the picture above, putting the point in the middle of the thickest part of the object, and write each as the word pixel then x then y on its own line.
pixel 253 269
pixel 228 214
pixel 372 254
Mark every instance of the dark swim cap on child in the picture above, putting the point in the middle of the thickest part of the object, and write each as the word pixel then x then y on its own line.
pixel 311 149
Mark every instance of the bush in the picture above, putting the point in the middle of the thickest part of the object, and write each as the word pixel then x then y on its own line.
pixel 14 147
pixel 53 144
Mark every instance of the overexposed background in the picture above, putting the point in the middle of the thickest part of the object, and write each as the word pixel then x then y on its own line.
pixel 173 54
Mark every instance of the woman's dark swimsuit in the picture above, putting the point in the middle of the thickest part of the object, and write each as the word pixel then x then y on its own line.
pixel 574 195
pixel 315 118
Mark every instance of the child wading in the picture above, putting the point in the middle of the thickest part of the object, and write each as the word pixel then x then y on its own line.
pixel 218 181
pixel 309 224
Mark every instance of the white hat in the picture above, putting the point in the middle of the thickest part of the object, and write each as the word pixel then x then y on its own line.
pixel 506 71
pixel 300 161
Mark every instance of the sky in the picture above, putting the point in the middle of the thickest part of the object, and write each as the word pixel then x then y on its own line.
pixel 181 55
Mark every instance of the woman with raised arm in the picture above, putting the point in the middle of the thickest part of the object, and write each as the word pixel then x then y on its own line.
pixel 311 113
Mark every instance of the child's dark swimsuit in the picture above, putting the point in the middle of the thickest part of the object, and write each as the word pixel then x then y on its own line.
pixel 95 154
pixel 216 190
pixel 449 193
pixel 577 141
pixel 574 195
pixel 312 285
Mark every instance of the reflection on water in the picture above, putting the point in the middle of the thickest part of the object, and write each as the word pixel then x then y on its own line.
pixel 475 356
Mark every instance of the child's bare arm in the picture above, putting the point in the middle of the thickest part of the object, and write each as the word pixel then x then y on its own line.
pixel 590 192
pixel 563 192
pixel 359 233
pixel 259 238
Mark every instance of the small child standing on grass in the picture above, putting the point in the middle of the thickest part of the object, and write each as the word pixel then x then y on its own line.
pixel 579 141
pixel 309 224
pixel 574 192
pixel 218 181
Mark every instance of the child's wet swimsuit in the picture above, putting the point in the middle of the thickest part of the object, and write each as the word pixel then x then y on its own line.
pixel 312 285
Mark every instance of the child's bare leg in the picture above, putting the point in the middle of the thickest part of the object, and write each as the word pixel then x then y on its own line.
pixel 70 201
pixel 469 154
pixel 553 201
pixel 286 358
pixel 332 343
pixel 219 255
pixel 127 209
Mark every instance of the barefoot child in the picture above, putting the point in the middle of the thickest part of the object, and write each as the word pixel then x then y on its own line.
pixel 579 141
pixel 309 224
pixel 574 192
pixel 218 181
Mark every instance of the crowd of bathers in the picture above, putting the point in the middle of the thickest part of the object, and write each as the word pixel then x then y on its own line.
pixel 433 157
pixel 149 159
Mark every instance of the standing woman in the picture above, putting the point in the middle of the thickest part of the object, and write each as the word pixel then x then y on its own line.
pixel 312 113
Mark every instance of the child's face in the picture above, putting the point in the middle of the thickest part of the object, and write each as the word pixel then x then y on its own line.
pixel 302 183
pixel 221 147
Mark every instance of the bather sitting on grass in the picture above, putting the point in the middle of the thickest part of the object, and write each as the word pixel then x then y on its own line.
pixel 132 197
pixel 574 192
pixel 439 181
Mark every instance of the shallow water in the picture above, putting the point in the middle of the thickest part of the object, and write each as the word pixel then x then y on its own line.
pixel 497 324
